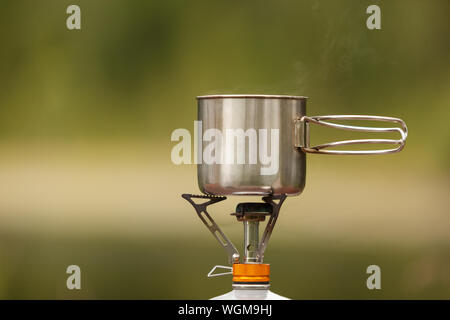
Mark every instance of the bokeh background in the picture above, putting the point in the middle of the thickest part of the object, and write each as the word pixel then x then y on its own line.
pixel 85 124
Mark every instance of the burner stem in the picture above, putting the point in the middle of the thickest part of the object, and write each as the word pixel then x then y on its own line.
pixel 251 241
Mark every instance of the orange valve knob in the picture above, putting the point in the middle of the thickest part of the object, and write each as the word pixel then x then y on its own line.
pixel 251 273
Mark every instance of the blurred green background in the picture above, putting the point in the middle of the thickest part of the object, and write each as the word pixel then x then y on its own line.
pixel 85 124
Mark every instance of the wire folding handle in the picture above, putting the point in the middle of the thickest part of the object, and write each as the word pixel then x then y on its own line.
pixel 302 134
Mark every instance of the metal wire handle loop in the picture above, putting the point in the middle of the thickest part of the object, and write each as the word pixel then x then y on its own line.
pixel 304 142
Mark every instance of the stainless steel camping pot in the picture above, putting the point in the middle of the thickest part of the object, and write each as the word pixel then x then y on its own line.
pixel 257 144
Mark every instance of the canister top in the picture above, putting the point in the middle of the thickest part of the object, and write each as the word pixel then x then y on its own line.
pixel 254 96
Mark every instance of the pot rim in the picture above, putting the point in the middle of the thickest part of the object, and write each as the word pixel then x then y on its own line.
pixel 255 96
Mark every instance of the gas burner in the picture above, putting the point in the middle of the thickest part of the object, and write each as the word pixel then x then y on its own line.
pixel 252 272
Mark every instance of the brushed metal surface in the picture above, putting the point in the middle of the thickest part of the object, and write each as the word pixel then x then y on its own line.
pixel 253 112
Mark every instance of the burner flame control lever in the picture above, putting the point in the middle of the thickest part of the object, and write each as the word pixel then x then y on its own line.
pixel 212 274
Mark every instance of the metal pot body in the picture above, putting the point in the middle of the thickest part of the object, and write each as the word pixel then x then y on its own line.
pixel 278 167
